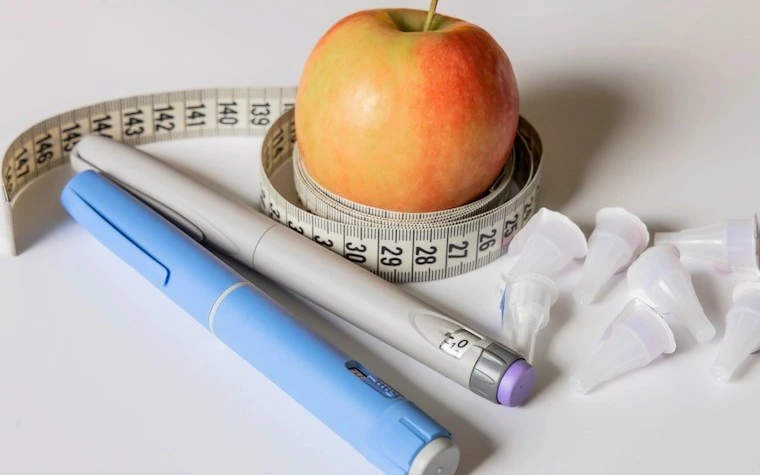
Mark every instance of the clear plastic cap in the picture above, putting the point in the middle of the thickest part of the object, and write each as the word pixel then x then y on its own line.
pixel 546 244
pixel 742 336
pixel 618 238
pixel 635 338
pixel 526 306
pixel 661 277
pixel 731 245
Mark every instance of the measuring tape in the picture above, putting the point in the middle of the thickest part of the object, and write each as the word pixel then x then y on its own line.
pixel 400 247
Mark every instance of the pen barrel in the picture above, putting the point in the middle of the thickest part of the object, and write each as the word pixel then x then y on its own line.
pixel 390 431
pixel 211 217
pixel 381 309
pixel 294 261
pixel 376 420
pixel 374 305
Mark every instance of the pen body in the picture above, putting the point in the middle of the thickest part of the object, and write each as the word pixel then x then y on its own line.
pixel 351 292
pixel 378 307
pixel 374 305
pixel 378 421
pixel 389 430
pixel 204 214
pixel 175 264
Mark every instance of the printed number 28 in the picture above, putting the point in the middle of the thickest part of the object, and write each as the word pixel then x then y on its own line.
pixel 421 259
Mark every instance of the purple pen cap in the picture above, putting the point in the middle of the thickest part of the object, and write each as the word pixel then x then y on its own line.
pixel 502 376
pixel 516 384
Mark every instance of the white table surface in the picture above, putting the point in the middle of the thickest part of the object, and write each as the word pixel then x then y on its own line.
pixel 649 105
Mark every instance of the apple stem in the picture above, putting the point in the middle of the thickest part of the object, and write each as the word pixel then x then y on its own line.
pixel 430 15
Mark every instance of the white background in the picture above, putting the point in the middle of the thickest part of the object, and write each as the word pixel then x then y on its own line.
pixel 651 105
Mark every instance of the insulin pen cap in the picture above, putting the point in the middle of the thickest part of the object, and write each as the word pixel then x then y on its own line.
pixel 517 384
pixel 502 376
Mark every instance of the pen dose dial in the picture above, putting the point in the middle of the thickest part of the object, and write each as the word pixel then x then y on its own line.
pixel 456 343
pixel 445 334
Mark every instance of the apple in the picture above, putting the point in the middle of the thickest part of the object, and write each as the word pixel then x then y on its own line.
pixel 406 110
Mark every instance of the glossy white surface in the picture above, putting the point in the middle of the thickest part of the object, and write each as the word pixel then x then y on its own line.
pixel 647 105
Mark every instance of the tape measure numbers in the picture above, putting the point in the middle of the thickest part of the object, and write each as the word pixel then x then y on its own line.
pixel 400 247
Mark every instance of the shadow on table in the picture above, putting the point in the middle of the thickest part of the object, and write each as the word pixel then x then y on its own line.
pixel 574 117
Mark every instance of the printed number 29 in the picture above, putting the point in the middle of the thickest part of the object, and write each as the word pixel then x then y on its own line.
pixel 391 261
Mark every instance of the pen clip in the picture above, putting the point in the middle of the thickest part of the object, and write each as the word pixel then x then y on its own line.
pixel 123 246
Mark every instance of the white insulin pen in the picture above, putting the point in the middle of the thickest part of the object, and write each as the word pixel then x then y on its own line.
pixel 353 293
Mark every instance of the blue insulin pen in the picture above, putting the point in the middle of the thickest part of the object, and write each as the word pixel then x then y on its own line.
pixel 386 428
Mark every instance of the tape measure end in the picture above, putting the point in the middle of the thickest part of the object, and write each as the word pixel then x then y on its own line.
pixel 7 249
pixel 7 238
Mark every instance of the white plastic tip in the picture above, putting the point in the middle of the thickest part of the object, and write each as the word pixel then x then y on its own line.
pixel 619 236
pixel 742 337
pixel 546 244
pixel 635 338
pixel 7 239
pixel 661 278
pixel 732 245
pixel 526 306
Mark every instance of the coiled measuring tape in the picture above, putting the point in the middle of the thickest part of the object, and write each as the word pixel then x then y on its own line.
pixel 400 247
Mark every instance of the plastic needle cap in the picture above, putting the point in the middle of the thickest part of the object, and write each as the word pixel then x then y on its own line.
pixel 618 238
pixel 635 338
pixel 659 274
pixel 742 335
pixel 526 304
pixel 547 243
pixel 731 245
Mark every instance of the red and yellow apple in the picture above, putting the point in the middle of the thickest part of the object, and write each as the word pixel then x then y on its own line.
pixel 391 115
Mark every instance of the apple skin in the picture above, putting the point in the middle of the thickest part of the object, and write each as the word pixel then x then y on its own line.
pixel 406 121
